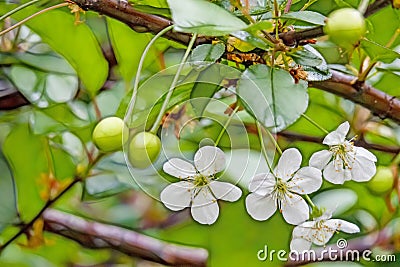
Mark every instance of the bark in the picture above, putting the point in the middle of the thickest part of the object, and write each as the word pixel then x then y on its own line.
pixel 97 235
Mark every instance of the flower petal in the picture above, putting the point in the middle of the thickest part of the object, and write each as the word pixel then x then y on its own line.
pixel 294 209
pixel 363 169
pixel 288 164
pixel 300 244
pixel 307 180
pixel 302 230
pixel 205 208
pixel 322 236
pixel 320 159
pixel 362 152
pixel 337 136
pixel 177 196
pixel 209 160
pixel 344 226
pixel 179 168
pixel 262 184
pixel 336 176
pixel 259 207
pixel 225 191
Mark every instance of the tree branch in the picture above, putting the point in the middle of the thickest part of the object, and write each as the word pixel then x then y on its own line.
pixel 377 101
pixel 138 21
pixel 98 236
pixel 380 103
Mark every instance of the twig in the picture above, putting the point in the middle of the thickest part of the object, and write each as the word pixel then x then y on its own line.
pixel 98 236
pixel 138 21
pixel 380 103
pixel 39 214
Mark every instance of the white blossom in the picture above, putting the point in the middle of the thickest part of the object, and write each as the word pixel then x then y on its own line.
pixel 198 188
pixel 319 231
pixel 282 189
pixel 344 161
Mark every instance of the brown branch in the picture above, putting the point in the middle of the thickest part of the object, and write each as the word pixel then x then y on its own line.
pixel 48 204
pixel 11 99
pixel 97 235
pixel 138 21
pixel 380 103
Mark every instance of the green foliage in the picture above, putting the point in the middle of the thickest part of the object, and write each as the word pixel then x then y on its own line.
pixel 200 16
pixel 267 92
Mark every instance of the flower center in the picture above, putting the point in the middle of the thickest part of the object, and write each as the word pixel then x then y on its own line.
pixel 279 192
pixel 343 155
pixel 201 180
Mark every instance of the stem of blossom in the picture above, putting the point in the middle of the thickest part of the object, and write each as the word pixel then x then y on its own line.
pixel 308 199
pixel 277 147
pixel 314 123
pixel 173 85
pixel 15 10
pixel 263 149
pixel 226 125
pixel 139 70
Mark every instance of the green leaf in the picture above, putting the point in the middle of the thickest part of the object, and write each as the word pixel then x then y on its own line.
pixel 113 177
pixel 202 17
pixel 8 197
pixel 207 52
pixel 263 25
pixel 268 93
pixel 154 10
pixel 327 199
pixel 76 43
pixel 378 52
pixel 306 57
pixel 251 39
pixel 61 88
pixel 306 16
pixel 53 63
pixel 203 91
pixel 103 185
pixel 128 47
pixel 208 83
pixel 313 63
pixel 24 151
pixel 42 88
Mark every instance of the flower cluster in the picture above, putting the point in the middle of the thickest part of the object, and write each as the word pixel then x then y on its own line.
pixel 284 188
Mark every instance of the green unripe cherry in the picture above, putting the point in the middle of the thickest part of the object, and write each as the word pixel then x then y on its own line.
pixel 345 27
pixel 110 134
pixel 382 182
pixel 144 149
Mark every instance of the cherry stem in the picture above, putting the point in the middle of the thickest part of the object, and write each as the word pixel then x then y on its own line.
pixel 15 10
pixel 139 70
pixel 226 125
pixel 263 149
pixel 314 123
pixel 173 85
pixel 277 147
pixel 308 199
